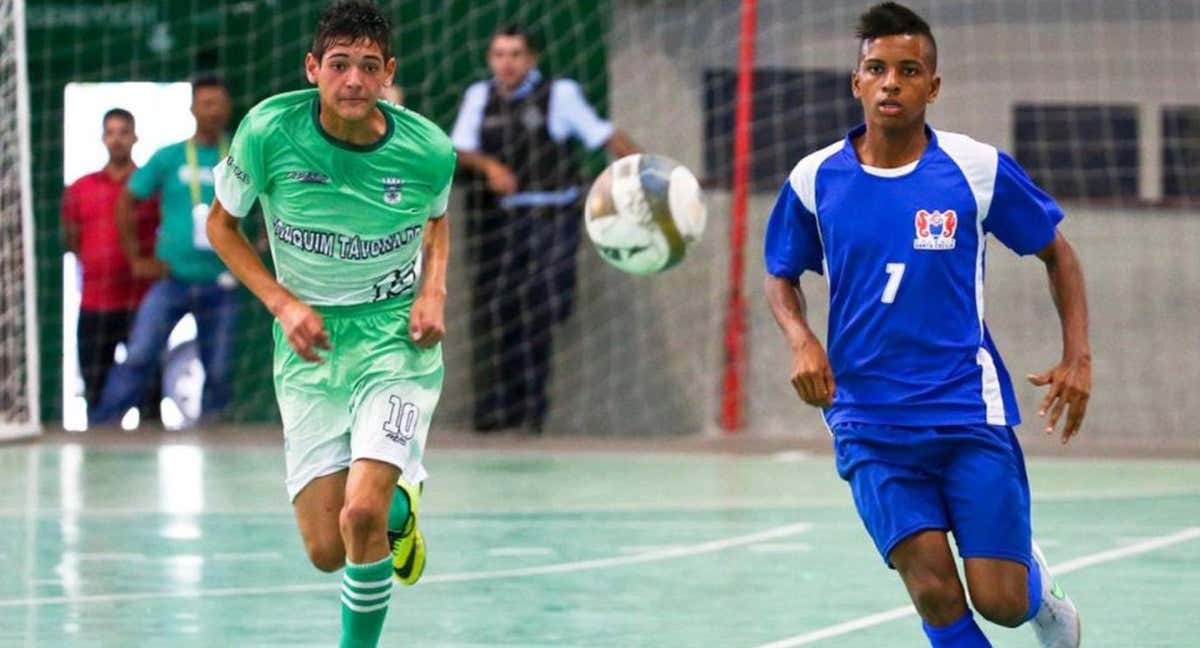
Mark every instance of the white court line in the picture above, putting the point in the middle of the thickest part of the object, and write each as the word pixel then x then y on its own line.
pixel 541 570
pixel 616 561
pixel 286 515
pixel 507 552
pixel 1190 533
pixel 636 549
pixel 780 547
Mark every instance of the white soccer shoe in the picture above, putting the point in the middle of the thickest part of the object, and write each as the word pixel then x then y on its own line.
pixel 1057 621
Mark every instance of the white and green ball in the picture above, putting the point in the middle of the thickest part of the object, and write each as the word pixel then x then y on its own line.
pixel 643 212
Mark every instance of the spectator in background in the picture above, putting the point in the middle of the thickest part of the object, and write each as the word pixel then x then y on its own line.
pixel 111 294
pixel 188 276
pixel 514 132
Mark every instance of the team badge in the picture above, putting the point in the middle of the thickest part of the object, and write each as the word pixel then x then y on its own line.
pixel 935 230
pixel 391 190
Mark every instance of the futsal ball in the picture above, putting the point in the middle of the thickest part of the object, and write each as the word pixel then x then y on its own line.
pixel 643 212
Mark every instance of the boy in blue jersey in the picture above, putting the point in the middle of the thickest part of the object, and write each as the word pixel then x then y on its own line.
pixel 919 402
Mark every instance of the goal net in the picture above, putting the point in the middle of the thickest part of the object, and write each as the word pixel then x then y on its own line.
pixel 1090 97
pixel 18 333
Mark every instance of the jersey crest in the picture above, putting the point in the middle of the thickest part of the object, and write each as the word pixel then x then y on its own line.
pixel 391 190
pixel 935 230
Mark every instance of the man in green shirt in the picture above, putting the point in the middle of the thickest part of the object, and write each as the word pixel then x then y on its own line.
pixel 189 278
pixel 354 193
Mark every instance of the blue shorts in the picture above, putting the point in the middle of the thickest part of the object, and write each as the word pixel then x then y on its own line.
pixel 969 480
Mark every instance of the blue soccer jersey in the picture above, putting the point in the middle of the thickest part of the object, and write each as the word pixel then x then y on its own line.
pixel 903 252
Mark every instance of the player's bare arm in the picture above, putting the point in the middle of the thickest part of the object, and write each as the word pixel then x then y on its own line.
pixel 812 376
pixel 621 144
pixel 70 234
pixel 500 178
pixel 1070 381
pixel 303 326
pixel 427 324
pixel 143 267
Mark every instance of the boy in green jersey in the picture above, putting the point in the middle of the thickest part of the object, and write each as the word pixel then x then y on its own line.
pixel 354 193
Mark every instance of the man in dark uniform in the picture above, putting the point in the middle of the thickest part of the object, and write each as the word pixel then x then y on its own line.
pixel 514 132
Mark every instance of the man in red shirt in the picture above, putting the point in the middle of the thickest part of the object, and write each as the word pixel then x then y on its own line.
pixel 111 294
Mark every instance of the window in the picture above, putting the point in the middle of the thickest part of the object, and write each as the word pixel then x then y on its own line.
pixel 795 113
pixel 1079 151
pixel 1181 152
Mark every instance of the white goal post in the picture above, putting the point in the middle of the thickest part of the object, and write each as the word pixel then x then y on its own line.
pixel 19 375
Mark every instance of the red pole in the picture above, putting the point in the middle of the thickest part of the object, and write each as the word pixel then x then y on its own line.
pixel 735 317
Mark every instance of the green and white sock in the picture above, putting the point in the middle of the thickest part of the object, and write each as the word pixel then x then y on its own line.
pixel 366 590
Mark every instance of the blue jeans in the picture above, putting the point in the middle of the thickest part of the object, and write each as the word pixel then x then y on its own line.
pixel 168 300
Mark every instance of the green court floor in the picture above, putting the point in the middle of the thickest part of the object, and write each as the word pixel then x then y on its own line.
pixel 194 545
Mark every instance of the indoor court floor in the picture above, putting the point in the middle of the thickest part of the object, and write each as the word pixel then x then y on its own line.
pixel 178 543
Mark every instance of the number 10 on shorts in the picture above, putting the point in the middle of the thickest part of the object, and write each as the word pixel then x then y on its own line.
pixel 401 423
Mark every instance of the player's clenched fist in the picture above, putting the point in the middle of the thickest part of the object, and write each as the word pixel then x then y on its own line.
pixel 427 325
pixel 304 329
pixel 812 377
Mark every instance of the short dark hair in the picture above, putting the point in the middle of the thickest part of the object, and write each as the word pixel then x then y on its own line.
pixel 118 113
pixel 349 21
pixel 208 80
pixel 892 19
pixel 520 31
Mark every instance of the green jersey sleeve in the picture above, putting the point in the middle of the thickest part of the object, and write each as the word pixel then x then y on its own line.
pixel 449 160
pixel 241 176
pixel 441 201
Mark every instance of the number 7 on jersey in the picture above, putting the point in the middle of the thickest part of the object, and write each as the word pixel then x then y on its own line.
pixel 895 273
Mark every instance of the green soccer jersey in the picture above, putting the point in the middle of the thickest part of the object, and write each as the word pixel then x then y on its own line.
pixel 345 221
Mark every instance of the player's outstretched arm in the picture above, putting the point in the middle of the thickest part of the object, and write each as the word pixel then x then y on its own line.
pixel 427 324
pixel 1070 381
pixel 303 326
pixel 812 376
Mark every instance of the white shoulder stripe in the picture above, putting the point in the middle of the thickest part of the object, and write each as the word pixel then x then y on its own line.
pixel 804 175
pixel 978 162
